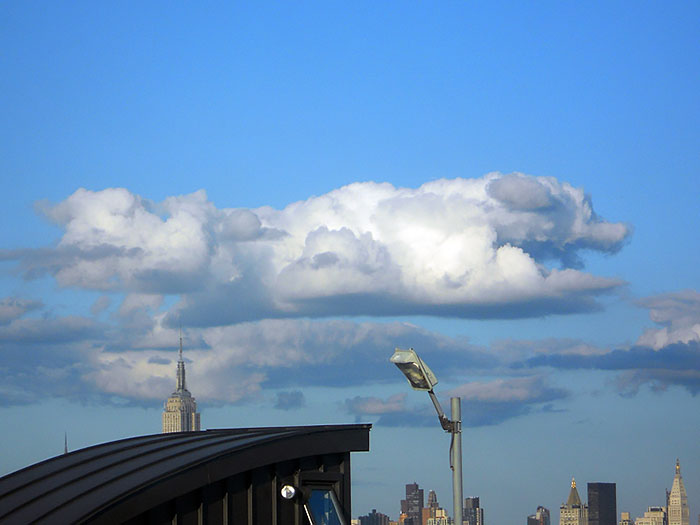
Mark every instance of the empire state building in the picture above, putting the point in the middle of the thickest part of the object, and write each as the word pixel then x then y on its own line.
pixel 180 413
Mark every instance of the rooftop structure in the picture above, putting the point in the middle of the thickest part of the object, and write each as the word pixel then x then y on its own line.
pixel 214 476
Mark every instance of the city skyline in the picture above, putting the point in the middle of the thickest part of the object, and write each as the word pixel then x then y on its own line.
pixel 600 507
pixel 510 189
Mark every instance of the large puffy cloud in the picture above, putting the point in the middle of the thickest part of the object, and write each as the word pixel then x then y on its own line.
pixel 475 248
pixel 114 239
pixel 495 246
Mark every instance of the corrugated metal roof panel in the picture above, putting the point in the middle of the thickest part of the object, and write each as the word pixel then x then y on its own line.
pixel 83 483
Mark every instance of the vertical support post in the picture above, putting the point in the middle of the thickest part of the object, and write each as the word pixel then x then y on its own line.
pixel 456 413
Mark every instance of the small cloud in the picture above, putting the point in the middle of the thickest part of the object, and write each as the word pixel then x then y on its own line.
pixel 678 313
pixel 528 390
pixel 515 350
pixel 291 400
pixel 159 360
pixel 51 331
pixel 549 408
pixel 659 380
pixel 100 305
pixel 12 308
pixel 376 406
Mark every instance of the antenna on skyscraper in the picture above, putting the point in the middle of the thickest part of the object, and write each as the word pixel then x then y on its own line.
pixel 65 442
pixel 181 341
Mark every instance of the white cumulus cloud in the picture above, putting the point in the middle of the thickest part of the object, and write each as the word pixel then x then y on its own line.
pixel 481 247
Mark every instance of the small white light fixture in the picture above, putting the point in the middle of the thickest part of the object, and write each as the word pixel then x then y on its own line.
pixel 288 491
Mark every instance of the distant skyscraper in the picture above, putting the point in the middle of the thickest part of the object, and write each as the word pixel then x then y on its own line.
pixel 573 512
pixel 602 504
pixel 625 519
pixel 431 510
pixel 472 514
pixel 374 518
pixel 678 511
pixel 540 517
pixel 413 504
pixel 440 518
pixel 653 516
pixel 432 500
pixel 180 414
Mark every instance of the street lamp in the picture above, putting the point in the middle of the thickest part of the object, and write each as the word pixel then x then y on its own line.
pixel 420 377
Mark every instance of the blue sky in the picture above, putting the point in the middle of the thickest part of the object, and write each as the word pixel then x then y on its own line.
pixel 510 188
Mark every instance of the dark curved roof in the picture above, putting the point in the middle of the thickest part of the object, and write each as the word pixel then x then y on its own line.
pixel 136 473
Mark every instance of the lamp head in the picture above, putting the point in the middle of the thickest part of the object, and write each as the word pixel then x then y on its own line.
pixel 419 376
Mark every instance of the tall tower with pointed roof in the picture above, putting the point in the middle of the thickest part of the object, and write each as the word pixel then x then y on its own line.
pixel 573 512
pixel 678 511
pixel 180 413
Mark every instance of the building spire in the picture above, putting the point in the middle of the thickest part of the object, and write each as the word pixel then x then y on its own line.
pixel 181 368
pixel 573 499
pixel 65 442
pixel 678 466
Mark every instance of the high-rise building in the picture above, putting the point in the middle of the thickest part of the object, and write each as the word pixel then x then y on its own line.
pixel 432 500
pixel 180 413
pixel 678 511
pixel 540 517
pixel 653 516
pixel 433 514
pixel 602 504
pixel 413 504
pixel 625 519
pixel 374 518
pixel 440 518
pixel 573 512
pixel 472 513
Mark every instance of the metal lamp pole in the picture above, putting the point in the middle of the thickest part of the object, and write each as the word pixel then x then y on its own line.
pixel 454 427
pixel 456 457
pixel 420 377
